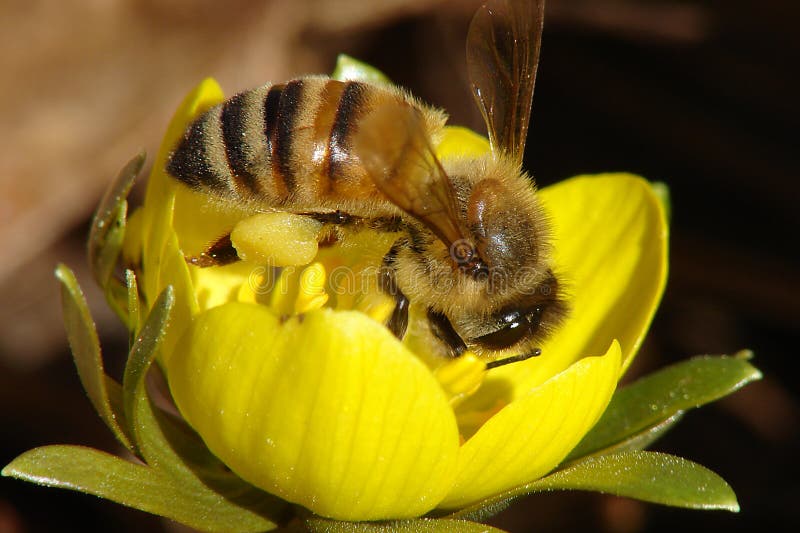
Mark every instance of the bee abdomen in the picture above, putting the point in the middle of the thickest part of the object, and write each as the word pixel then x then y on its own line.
pixel 240 147
pixel 281 145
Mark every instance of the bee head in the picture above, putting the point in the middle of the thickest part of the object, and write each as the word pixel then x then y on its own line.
pixel 528 320
pixel 507 225
pixel 521 301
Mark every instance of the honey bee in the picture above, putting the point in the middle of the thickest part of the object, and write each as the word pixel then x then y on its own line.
pixel 473 245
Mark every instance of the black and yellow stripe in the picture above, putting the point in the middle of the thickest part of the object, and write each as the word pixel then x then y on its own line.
pixel 277 143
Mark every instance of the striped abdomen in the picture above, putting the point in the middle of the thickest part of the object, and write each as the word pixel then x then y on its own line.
pixel 284 145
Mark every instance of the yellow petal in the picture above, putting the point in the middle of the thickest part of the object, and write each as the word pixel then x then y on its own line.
pixel 461 142
pixel 160 196
pixel 611 251
pixel 215 286
pixel 201 220
pixel 326 410
pixel 533 434
pixel 162 259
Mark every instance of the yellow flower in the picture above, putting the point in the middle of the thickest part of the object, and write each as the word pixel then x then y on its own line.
pixel 294 383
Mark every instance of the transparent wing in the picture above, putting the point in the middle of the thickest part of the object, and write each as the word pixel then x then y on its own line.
pixel 502 55
pixel 392 144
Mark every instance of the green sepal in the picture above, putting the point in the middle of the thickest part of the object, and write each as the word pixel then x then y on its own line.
pixel 420 525
pixel 169 446
pixel 108 232
pixel 138 486
pixel 104 393
pixel 636 412
pixel 348 68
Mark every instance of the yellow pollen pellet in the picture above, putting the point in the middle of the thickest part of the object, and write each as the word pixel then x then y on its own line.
pixel 276 239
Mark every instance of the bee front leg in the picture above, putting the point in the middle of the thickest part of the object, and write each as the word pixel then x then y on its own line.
pixel 398 321
pixel 443 330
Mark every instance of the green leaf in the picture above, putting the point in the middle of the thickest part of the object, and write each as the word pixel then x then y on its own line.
pixel 644 438
pixel 133 306
pixel 651 401
pixel 103 392
pixel 649 476
pixel 138 486
pixel 348 68
pixel 172 448
pixel 141 357
pixel 108 231
pixel 421 525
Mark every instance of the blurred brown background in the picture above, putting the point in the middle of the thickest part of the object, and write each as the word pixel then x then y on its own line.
pixel 699 94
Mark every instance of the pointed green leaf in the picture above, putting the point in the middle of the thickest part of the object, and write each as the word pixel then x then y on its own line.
pixel 108 231
pixel 649 476
pixel 650 401
pixel 134 485
pixel 133 305
pixel 141 357
pixel 421 525
pixel 85 346
pixel 348 68
pixel 644 438
pixel 172 448
pixel 104 238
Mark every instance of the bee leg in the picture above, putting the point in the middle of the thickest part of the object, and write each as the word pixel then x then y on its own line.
pixel 398 321
pixel 333 220
pixel 443 329
pixel 220 253
pixel 338 218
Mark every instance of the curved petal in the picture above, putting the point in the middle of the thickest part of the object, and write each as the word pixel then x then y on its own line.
pixel 160 196
pixel 162 259
pixel 325 409
pixel 533 434
pixel 610 245
pixel 200 220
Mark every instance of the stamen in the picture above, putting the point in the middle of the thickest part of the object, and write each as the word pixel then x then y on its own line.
pixel 377 306
pixel 283 296
pixel 312 293
pixel 514 359
pixel 461 377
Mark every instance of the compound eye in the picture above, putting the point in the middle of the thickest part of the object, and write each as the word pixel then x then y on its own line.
pixel 514 329
pixel 534 317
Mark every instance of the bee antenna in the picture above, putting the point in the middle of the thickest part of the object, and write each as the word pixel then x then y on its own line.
pixel 514 359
